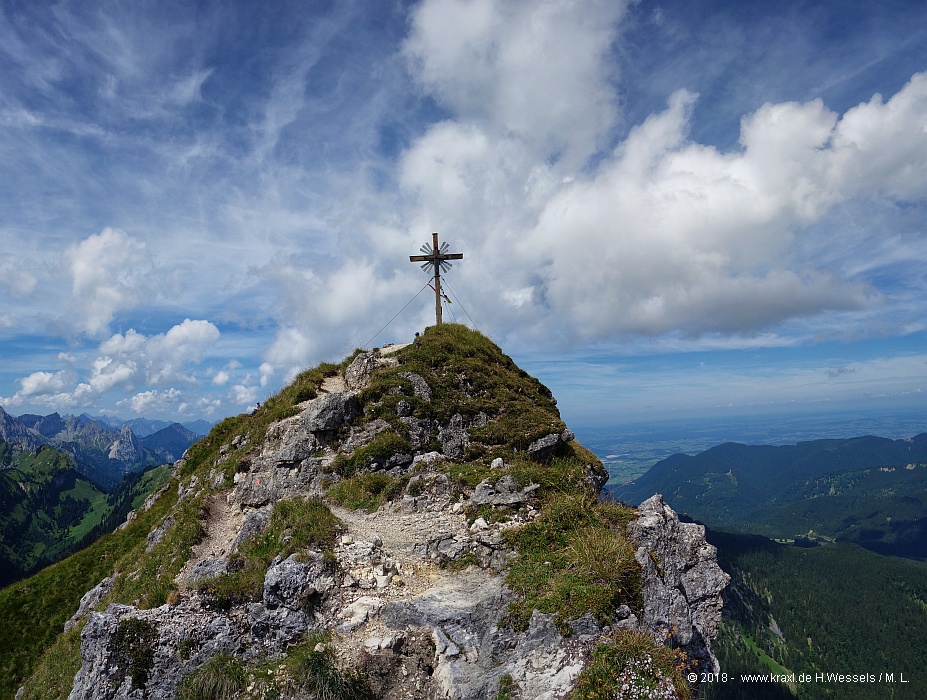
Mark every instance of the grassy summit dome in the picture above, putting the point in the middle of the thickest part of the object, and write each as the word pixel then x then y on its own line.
pixel 387 480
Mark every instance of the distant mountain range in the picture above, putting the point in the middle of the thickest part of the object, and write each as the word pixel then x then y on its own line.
pixel 142 427
pixel 867 490
pixel 101 451
pixel 64 481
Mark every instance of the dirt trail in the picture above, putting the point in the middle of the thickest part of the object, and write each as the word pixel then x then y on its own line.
pixel 221 528
pixel 400 534
pixel 332 385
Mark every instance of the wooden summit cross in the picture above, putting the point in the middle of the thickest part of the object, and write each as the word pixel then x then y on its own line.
pixel 436 256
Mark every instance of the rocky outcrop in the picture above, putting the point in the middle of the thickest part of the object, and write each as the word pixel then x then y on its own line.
pixel 330 411
pixel 682 582
pixel 126 447
pixel 504 492
pixel 90 600
pixel 160 639
pixel 544 448
pixel 415 592
pixel 406 626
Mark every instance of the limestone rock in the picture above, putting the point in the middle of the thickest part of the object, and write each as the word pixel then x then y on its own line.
pixel 255 523
pixel 101 676
pixel 296 584
pixel 208 568
pixel 363 435
pixel 682 582
pixel 158 533
pixel 454 437
pixel 544 448
pixel 90 600
pixel 419 386
pixel 358 612
pixel 357 375
pixel 329 412
pixel 505 492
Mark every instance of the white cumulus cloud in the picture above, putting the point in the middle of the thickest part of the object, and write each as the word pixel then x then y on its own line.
pixel 108 272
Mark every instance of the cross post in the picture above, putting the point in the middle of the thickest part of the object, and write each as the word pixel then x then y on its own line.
pixel 436 257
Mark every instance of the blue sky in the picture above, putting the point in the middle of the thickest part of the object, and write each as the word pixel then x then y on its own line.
pixel 664 206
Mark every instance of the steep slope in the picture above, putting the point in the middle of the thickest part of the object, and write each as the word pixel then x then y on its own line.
pixel 798 610
pixel 416 522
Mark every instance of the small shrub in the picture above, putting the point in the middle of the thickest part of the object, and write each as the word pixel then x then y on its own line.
pixel 132 648
pixel 631 665
pixel 507 688
pixel 187 648
pixel 221 678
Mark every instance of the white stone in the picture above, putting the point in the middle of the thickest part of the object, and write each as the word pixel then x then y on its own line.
pixel 479 524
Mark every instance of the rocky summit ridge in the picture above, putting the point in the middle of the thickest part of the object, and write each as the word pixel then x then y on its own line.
pixel 416 522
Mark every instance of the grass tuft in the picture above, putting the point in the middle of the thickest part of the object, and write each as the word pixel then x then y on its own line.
pixel 632 665
pixel 311 669
pixel 220 678
pixel 368 491
pixel 575 558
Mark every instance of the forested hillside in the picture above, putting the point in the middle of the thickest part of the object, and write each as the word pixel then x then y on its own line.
pixel 829 609
pixel 867 490
pixel 48 509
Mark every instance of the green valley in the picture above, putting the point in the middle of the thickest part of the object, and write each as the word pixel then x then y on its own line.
pixel 48 509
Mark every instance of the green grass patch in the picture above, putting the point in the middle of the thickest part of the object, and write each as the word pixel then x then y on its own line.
pixel 311 668
pixel 575 558
pixel 296 524
pixel 149 581
pixel 221 678
pixel 469 474
pixel 378 450
pixel 632 659
pixel 368 491
pixel 54 674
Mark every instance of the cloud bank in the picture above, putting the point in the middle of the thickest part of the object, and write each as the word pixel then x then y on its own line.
pixel 171 165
